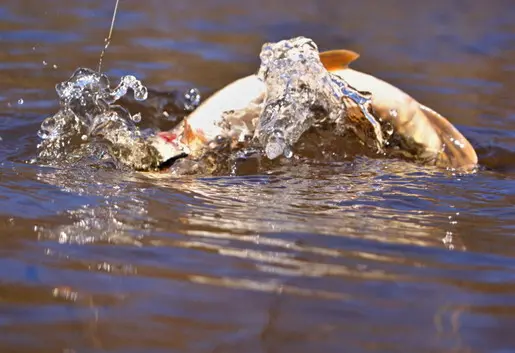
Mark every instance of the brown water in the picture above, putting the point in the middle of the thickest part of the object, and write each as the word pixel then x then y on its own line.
pixel 361 256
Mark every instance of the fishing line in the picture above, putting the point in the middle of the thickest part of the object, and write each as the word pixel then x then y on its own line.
pixel 108 39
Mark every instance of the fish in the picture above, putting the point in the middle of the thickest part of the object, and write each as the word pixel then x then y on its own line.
pixel 420 133
pixel 439 141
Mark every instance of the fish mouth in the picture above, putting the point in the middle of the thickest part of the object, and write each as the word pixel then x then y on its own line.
pixel 169 148
pixel 170 161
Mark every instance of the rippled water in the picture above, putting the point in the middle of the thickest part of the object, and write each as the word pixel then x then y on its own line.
pixel 361 256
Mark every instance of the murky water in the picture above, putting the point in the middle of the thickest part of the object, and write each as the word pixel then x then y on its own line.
pixel 359 256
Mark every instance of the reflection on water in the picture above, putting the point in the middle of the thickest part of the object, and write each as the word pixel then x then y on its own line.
pixel 359 256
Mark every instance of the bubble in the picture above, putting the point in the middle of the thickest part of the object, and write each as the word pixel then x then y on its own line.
pixel 45 63
pixel 20 101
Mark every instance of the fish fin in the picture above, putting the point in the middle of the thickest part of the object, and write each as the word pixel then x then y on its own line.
pixel 457 151
pixel 194 139
pixel 337 59
pixel 188 134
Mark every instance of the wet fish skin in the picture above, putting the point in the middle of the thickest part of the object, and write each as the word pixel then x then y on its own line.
pixel 425 135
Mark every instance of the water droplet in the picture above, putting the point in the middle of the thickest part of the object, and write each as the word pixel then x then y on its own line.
pixel 388 129
pixel 20 101
pixel 448 240
pixel 63 237
pixel 192 99
pixel 54 66
pixel 288 153
pixel 45 63
pixel 136 117
pixel 48 129
pixel 141 93
pixel 129 81
pixel 275 148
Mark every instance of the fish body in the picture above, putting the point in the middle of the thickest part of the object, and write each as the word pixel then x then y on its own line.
pixel 420 133
pixel 439 141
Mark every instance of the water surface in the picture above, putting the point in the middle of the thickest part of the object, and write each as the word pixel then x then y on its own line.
pixel 359 256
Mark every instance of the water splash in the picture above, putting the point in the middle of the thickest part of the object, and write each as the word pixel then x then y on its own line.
pixel 88 86
pixel 292 74
pixel 363 101
pixel 89 126
pixel 301 94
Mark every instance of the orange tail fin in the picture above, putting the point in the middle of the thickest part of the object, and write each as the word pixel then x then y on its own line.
pixel 337 59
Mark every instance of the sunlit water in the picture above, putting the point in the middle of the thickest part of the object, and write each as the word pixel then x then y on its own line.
pixel 356 256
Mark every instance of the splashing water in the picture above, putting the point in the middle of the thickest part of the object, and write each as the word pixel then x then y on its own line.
pixel 89 126
pixel 363 101
pixel 294 77
pixel 88 84
pixel 300 94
